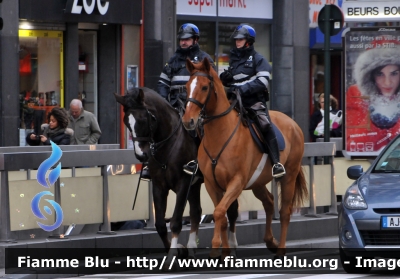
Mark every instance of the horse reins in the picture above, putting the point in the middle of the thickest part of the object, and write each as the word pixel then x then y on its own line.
pixel 155 145
pixel 208 119
pixel 149 117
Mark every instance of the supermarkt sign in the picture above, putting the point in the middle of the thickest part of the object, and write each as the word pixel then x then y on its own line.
pixel 371 11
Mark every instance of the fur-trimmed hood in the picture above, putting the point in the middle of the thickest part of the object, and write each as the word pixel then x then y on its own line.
pixel 370 60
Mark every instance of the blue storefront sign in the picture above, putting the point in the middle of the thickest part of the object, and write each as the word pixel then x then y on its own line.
pixel 317 39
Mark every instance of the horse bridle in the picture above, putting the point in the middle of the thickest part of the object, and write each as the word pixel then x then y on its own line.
pixel 207 119
pixel 150 139
pixel 149 117
pixel 203 115
pixel 193 100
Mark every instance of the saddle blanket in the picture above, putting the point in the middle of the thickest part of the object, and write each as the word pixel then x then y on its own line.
pixel 255 134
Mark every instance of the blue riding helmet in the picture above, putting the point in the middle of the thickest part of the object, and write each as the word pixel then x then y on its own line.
pixel 188 30
pixel 244 32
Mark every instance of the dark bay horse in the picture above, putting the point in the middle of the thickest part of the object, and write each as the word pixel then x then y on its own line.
pixel 161 140
pixel 231 161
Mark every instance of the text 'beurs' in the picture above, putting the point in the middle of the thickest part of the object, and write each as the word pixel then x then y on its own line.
pixel 372 11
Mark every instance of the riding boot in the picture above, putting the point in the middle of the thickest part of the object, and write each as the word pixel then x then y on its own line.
pixel 145 175
pixel 192 166
pixel 278 170
pixel 264 122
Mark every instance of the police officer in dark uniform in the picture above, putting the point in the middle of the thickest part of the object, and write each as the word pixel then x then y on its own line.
pixel 249 73
pixel 173 79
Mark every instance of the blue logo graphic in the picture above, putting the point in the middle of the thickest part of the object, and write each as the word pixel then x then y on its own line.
pixel 41 178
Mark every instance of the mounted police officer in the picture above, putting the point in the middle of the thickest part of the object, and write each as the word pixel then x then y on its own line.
pixel 173 79
pixel 249 73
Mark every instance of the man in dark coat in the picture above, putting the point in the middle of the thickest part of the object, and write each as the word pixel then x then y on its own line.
pixel 174 76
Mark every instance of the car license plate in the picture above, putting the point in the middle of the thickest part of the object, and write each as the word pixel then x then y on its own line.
pixel 391 222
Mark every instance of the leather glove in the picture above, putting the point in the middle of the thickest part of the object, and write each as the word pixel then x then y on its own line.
pixel 233 92
pixel 226 77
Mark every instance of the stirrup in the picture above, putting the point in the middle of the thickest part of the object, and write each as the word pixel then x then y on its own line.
pixel 281 170
pixel 145 174
pixel 191 167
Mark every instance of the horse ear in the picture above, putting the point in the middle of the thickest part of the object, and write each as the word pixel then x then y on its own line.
pixel 140 97
pixel 119 99
pixel 206 64
pixel 189 65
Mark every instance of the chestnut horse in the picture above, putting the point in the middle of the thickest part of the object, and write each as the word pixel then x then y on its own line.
pixel 231 161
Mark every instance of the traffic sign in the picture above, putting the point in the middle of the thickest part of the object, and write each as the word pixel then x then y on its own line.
pixel 336 20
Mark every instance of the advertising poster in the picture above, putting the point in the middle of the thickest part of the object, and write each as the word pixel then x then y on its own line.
pixel 371 87
pixel 131 76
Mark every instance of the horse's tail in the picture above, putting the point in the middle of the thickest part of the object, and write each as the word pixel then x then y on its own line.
pixel 300 191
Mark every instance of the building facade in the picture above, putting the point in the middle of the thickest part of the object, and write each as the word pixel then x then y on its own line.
pixel 282 37
pixel 56 51
pixel 91 49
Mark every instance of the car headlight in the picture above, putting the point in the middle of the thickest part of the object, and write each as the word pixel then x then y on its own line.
pixel 353 198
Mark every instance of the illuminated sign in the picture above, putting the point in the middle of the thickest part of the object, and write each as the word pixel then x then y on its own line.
pixel 371 11
pixel 226 8
pixel 76 6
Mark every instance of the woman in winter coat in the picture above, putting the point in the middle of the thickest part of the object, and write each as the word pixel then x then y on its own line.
pixel 56 131
pixel 316 128
pixel 373 103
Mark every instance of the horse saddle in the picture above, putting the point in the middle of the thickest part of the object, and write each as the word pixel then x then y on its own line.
pixel 255 132
pixel 259 140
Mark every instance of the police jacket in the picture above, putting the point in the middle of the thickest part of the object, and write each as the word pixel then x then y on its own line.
pixel 251 73
pixel 173 79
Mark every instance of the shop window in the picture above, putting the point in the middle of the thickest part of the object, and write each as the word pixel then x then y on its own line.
pixel 41 76
pixel 225 43
pixel 208 38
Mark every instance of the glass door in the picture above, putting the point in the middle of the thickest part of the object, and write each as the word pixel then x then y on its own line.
pixel 88 70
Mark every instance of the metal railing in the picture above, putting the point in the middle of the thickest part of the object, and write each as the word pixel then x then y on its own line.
pixel 29 158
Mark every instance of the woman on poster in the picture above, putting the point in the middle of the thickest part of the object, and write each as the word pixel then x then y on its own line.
pixel 373 103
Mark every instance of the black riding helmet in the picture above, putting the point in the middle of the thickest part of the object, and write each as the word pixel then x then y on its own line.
pixel 188 30
pixel 244 32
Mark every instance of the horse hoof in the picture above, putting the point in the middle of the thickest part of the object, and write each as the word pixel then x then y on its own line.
pixel 183 252
pixel 278 257
pixel 272 245
pixel 273 250
pixel 217 259
pixel 167 267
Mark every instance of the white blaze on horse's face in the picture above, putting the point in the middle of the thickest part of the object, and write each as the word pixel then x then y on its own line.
pixel 192 87
pixel 132 122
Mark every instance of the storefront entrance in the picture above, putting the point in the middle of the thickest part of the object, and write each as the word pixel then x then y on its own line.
pixel 88 70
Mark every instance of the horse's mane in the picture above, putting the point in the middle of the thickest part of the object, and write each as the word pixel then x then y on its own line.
pixel 150 99
pixel 199 66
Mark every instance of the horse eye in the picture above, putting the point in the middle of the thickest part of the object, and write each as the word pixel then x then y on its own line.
pixel 204 88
